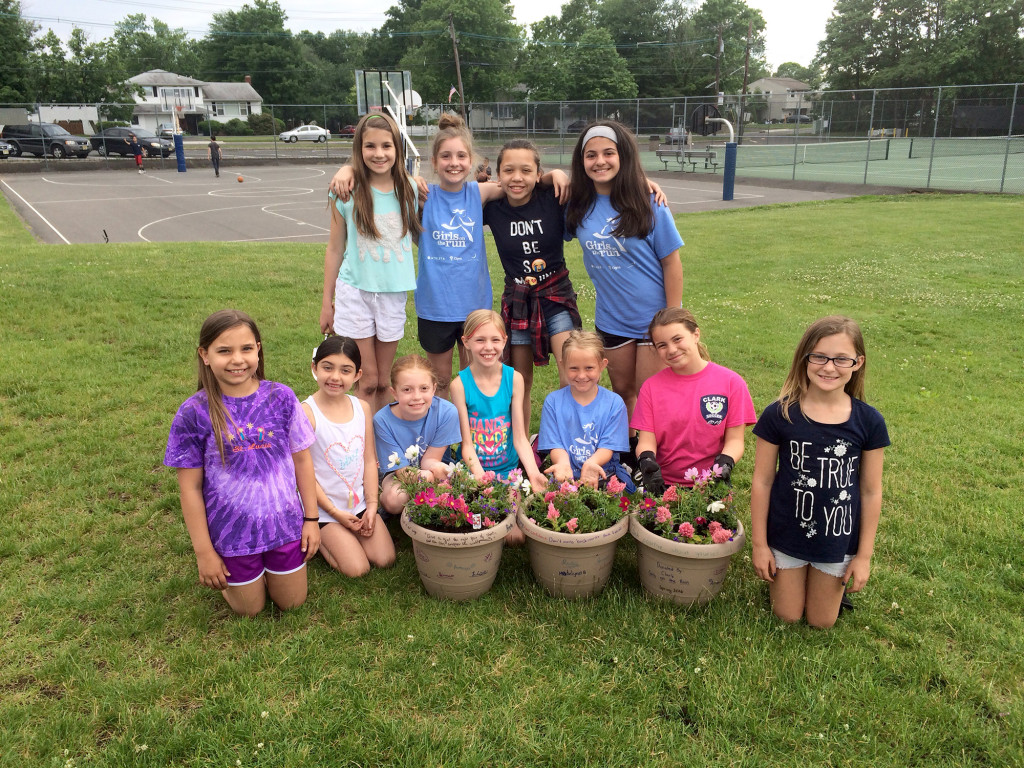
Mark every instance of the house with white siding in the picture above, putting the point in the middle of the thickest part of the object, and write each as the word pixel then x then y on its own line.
pixel 168 97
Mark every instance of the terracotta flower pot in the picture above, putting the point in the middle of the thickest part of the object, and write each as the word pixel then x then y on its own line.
pixel 457 566
pixel 572 565
pixel 684 573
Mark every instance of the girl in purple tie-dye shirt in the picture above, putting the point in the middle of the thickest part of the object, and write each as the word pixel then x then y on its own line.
pixel 240 445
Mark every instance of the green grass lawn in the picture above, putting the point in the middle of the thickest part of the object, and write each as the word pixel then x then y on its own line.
pixel 112 654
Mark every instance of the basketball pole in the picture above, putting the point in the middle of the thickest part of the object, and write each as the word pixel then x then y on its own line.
pixel 729 174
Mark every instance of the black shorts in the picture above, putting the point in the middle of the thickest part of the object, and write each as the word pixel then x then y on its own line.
pixel 614 341
pixel 438 336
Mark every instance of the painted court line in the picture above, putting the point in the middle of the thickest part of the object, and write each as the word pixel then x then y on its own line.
pixel 37 213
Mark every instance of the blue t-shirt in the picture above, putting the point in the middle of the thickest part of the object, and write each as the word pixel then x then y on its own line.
pixel 626 271
pixel 490 422
pixel 392 434
pixel 814 506
pixel 453 277
pixel 580 430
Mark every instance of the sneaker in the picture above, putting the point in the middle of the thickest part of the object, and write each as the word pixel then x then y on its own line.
pixel 141 171
pixel 846 604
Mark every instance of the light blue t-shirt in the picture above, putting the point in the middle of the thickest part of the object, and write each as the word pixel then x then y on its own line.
pixel 580 430
pixel 490 422
pixel 626 271
pixel 395 435
pixel 377 266
pixel 453 275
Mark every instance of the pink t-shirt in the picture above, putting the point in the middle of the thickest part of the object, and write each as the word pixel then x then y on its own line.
pixel 689 415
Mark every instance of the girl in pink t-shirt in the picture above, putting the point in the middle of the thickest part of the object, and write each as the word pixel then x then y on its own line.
pixel 690 416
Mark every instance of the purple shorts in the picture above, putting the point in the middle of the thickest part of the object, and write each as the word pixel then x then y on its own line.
pixel 245 569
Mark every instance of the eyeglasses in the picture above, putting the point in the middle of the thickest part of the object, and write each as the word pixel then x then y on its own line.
pixel 839 362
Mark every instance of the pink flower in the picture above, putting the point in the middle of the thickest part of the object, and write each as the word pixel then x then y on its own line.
pixel 672 494
pixel 532 520
pixel 572 525
pixel 420 498
pixel 487 491
pixel 567 487
pixel 686 530
pixel 700 520
pixel 662 515
pixel 488 477
pixel 713 526
pixel 721 535
pixel 623 503
pixel 690 475
pixel 649 503
pixel 549 496
pixel 705 476
pixel 615 485
pixel 552 512
pixel 488 523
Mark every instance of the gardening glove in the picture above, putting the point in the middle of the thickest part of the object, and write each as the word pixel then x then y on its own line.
pixel 726 464
pixel 650 472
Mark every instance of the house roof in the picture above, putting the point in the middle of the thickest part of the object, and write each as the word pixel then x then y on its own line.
pixel 778 85
pixel 163 77
pixel 230 92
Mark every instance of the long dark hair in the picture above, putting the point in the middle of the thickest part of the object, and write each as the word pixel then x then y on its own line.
pixel 338 345
pixel 362 194
pixel 629 194
pixel 213 327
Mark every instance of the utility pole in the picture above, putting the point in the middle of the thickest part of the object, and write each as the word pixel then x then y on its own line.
pixel 746 71
pixel 458 68
pixel 718 64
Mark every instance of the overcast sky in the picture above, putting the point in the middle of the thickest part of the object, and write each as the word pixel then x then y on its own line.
pixel 794 26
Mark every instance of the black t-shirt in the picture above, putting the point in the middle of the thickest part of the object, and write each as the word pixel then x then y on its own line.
pixel 529 237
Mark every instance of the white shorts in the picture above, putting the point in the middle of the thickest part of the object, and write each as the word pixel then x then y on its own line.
pixel 361 314
pixel 784 562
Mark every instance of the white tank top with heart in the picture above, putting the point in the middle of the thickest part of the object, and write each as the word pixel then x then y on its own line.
pixel 338 456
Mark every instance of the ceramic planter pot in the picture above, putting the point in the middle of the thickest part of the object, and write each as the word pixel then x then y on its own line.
pixel 681 572
pixel 572 565
pixel 457 566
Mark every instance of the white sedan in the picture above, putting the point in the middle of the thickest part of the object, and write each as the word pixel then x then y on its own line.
pixel 305 133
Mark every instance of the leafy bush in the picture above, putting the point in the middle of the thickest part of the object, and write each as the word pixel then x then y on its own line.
pixel 265 124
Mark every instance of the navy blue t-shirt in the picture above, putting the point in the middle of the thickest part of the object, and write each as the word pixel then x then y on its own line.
pixel 814 507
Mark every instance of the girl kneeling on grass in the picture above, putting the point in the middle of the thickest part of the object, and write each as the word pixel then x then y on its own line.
pixel 413 432
pixel 352 538
pixel 489 397
pixel 816 495
pixel 584 425
pixel 240 445
pixel 690 416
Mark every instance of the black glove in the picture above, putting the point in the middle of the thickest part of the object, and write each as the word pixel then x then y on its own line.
pixel 650 472
pixel 726 464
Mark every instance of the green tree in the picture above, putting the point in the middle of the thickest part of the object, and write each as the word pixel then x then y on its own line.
pixel 254 41
pixel 84 72
pixel 599 72
pixel 136 47
pixel 16 50
pixel 334 58
pixel 731 18
pixel 810 75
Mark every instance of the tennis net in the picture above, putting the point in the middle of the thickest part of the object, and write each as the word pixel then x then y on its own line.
pixel 961 147
pixel 750 156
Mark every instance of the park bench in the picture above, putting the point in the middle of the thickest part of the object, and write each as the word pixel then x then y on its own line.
pixel 684 155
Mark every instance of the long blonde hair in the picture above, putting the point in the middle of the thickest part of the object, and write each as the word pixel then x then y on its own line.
pixel 795 386
pixel 216 324
pixel 362 193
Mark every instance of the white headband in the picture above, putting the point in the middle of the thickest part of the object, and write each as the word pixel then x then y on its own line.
pixel 603 131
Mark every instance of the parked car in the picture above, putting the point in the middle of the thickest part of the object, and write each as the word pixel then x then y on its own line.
pixel 117 141
pixel 5 150
pixel 44 139
pixel 798 119
pixel 348 130
pixel 576 126
pixel 166 131
pixel 677 135
pixel 305 133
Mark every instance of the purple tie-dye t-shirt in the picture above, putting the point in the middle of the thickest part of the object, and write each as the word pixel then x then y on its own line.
pixel 252 503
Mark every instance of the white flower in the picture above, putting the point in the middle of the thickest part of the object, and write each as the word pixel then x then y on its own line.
pixel 527 488
pixel 412 452
pixel 716 506
pixel 394 460
pixel 450 467
pixel 264 714
pixel 812 483
pixel 840 450
pixel 843 495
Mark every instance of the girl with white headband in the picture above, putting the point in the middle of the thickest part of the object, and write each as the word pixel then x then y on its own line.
pixel 630 250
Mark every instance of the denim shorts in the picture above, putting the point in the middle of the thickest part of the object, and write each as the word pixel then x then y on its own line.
pixel 784 562
pixel 245 569
pixel 560 322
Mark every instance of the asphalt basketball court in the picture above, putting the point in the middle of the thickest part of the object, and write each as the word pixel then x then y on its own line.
pixel 273 203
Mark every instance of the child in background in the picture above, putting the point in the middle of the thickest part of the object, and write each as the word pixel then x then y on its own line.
pixel 413 432
pixel 489 397
pixel 213 152
pixel 351 537
pixel 368 265
pixel 538 304
pixel 816 495
pixel 630 250
pixel 240 445
pixel 136 148
pixel 584 425
pixel 692 414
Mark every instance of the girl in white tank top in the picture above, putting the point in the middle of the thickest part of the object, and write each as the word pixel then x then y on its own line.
pixel 352 538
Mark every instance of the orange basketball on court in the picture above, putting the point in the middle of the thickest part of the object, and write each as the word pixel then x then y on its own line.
pixel 239 179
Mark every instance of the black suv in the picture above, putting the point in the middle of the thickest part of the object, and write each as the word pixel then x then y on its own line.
pixel 44 138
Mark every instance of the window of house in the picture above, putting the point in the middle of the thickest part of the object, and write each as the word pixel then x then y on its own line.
pixel 170 98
